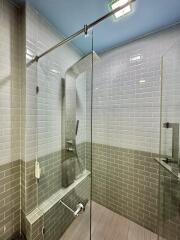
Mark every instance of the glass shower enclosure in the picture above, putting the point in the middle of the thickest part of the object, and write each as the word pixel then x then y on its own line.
pixel 169 167
pixel 61 196
pixel 63 140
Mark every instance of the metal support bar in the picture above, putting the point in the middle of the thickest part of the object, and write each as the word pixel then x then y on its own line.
pixel 84 30
pixel 66 40
pixel 70 209
pixel 79 208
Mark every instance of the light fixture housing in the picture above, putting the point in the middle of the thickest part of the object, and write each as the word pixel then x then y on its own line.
pixel 118 3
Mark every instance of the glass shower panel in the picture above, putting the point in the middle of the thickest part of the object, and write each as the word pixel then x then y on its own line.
pixel 125 175
pixel 169 202
pixel 29 141
pixel 170 117
pixel 169 216
pixel 64 140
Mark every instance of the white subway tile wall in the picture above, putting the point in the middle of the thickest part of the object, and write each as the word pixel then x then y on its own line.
pixel 170 95
pixel 46 74
pixel 126 102
pixel 10 90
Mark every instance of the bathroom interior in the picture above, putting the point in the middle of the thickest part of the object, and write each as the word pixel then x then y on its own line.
pixel 89 120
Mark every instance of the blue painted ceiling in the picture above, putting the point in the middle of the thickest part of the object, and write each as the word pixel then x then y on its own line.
pixel 68 16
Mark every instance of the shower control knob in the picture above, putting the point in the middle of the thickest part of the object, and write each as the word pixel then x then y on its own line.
pixel 70 149
pixel 70 142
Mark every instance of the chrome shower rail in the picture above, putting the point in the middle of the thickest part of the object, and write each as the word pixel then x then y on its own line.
pixel 85 30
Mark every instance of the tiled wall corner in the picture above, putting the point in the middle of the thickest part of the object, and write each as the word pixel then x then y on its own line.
pixel 10 120
pixel 10 90
pixel 9 199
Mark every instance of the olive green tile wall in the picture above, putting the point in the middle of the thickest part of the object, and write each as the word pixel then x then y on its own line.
pixel 28 186
pixel 58 218
pixel 51 178
pixel 169 221
pixel 9 199
pixel 126 181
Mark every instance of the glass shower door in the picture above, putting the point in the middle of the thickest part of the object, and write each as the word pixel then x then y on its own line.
pixel 169 194
pixel 64 140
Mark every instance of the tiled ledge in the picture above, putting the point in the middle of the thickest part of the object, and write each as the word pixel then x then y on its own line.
pixel 169 168
pixel 55 198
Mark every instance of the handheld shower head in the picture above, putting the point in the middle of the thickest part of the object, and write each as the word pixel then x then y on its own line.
pixel 77 126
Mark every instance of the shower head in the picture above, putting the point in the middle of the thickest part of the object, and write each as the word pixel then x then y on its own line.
pixel 83 65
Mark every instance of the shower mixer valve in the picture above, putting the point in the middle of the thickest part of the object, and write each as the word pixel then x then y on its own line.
pixel 71 146
pixel 70 149
pixel 70 142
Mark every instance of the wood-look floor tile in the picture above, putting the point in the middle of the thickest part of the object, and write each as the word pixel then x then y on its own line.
pixel 106 225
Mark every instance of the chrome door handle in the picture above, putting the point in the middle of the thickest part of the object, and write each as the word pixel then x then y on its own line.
pixel 175 139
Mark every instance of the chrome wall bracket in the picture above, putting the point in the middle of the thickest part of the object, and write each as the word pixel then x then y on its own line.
pixel 86 29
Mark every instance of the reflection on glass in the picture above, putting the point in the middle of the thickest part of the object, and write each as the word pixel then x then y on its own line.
pixel 169 194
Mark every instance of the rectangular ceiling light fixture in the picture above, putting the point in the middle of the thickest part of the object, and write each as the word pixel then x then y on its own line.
pixel 118 3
